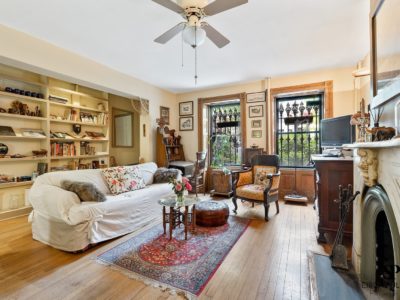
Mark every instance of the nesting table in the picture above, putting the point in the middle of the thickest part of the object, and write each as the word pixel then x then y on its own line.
pixel 178 213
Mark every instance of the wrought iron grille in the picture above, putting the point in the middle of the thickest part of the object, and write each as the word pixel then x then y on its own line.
pixel 225 135
pixel 298 129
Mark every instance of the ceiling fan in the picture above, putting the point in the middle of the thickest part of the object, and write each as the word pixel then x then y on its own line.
pixel 195 29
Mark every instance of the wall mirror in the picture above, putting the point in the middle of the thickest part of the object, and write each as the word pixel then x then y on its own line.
pixel 122 128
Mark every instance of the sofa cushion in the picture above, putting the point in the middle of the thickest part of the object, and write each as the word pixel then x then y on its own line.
pixel 164 175
pixel 86 191
pixel 123 179
pixel 148 170
pixel 251 191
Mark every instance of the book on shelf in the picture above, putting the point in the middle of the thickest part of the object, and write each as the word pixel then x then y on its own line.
pixel 63 149
pixel 90 118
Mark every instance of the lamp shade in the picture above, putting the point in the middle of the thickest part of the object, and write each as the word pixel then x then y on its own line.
pixel 194 36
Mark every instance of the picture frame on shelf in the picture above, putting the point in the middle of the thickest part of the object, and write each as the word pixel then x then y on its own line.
pixel 31 132
pixel 256 97
pixel 186 108
pixel 164 114
pixel 256 134
pixel 256 123
pixel 186 123
pixel 256 111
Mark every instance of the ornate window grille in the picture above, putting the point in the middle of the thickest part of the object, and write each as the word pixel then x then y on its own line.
pixel 298 129
pixel 225 145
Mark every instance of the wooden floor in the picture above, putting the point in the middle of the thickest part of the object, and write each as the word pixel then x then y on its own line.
pixel 268 262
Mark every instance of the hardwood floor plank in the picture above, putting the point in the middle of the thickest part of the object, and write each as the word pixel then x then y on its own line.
pixel 268 262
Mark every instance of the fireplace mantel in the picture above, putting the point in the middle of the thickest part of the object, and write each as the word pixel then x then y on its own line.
pixel 375 145
pixel 368 153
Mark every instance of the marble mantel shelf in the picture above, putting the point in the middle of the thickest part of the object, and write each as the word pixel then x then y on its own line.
pixel 368 153
pixel 374 145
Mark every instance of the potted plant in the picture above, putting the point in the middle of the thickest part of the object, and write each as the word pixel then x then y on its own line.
pixel 221 176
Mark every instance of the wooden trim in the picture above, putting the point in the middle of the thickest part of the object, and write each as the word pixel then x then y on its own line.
pixel 203 101
pixel 325 86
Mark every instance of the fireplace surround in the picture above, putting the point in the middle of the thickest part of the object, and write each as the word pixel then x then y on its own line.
pixel 376 213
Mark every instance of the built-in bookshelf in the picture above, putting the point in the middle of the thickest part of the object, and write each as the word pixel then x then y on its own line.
pixel 45 114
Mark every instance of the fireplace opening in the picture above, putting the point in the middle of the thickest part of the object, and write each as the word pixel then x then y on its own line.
pixel 385 277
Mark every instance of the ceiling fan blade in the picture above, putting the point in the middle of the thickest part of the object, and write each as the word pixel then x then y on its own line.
pixel 165 37
pixel 170 5
pixel 221 5
pixel 214 35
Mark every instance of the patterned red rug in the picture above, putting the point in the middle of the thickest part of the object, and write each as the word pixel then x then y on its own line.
pixel 177 264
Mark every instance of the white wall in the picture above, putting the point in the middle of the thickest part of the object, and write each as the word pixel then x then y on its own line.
pixel 26 52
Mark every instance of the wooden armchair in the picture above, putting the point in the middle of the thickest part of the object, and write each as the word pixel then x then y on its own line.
pixel 260 184
pixel 198 178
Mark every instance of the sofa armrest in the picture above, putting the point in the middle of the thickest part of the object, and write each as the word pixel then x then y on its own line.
pixel 54 202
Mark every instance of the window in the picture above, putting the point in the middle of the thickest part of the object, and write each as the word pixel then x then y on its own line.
pixel 298 129
pixel 225 145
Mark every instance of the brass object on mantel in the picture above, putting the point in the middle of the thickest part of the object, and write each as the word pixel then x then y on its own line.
pixel 381 133
pixel 368 165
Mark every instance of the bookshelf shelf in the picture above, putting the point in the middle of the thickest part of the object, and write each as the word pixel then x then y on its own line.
pixel 22 159
pixel 78 156
pixel 21 97
pixel 22 138
pixel 6 115
pixel 77 107
pixel 76 122
pixel 88 104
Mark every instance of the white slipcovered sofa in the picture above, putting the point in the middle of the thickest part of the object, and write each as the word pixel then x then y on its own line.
pixel 62 221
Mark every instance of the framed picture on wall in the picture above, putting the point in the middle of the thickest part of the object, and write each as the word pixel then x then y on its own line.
pixel 164 114
pixel 255 97
pixel 256 123
pixel 186 108
pixel 186 123
pixel 256 134
pixel 256 111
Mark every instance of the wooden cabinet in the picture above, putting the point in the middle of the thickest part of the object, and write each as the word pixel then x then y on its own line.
pixel 332 172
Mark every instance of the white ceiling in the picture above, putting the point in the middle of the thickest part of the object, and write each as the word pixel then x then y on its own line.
pixel 268 37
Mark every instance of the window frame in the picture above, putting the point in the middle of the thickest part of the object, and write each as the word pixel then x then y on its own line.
pixel 299 99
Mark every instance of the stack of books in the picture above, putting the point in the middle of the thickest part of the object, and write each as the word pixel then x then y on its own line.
pixel 58 99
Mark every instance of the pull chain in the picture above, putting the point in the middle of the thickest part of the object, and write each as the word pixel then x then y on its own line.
pixel 195 55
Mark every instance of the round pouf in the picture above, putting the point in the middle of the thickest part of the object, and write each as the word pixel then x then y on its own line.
pixel 211 213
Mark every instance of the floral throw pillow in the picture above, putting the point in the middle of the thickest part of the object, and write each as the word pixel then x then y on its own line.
pixel 123 179
pixel 261 175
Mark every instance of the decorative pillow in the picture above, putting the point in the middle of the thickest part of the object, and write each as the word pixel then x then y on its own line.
pixel 261 173
pixel 86 191
pixel 163 175
pixel 123 179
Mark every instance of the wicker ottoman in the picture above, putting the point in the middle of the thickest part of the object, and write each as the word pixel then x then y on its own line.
pixel 211 213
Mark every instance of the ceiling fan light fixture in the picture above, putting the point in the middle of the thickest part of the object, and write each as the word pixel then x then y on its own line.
pixel 194 35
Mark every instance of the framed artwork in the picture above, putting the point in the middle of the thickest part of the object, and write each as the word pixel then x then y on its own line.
pixel 164 114
pixel 256 111
pixel 186 108
pixel 186 123
pixel 256 123
pixel 256 134
pixel 256 97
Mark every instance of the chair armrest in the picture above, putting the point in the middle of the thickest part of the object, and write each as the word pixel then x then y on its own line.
pixel 274 180
pixel 243 178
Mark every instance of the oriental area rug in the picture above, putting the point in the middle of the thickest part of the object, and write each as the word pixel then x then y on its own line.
pixel 178 265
